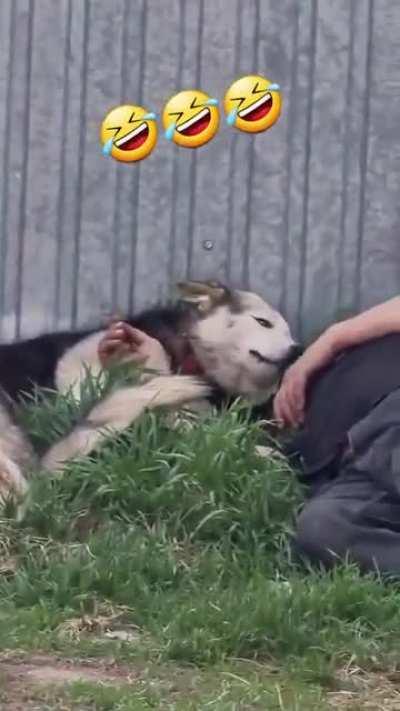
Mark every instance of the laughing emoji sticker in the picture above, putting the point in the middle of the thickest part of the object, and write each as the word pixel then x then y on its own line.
pixel 252 104
pixel 128 133
pixel 191 118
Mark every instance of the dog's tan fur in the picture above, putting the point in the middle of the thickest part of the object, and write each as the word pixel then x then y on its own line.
pixel 220 338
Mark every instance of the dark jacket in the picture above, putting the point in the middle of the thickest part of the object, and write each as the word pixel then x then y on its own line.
pixel 339 397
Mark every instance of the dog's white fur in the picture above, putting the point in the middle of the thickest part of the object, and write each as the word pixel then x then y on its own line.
pixel 223 340
pixel 222 343
pixel 119 410
pixel 16 455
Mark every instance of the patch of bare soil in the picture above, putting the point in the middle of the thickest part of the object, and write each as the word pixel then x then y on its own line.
pixel 28 683
pixel 19 676
pixel 366 691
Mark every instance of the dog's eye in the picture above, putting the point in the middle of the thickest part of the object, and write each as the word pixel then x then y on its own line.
pixel 264 322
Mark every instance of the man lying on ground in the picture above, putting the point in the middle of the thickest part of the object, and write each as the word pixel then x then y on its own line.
pixel 342 396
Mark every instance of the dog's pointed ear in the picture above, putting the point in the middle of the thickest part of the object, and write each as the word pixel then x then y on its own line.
pixel 205 295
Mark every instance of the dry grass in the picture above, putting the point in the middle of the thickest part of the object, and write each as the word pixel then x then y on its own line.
pixel 372 691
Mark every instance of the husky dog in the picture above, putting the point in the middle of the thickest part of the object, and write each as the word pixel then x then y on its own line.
pixel 214 341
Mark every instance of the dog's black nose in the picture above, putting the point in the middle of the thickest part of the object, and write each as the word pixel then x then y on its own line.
pixel 294 353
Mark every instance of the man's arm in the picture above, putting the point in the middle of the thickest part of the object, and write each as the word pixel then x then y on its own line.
pixel 376 322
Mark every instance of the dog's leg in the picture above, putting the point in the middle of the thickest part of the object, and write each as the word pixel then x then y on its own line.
pixel 16 454
pixel 12 481
pixel 83 358
pixel 120 409
pixel 74 365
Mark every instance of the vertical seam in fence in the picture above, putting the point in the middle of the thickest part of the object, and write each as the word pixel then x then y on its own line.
pixel 289 165
pixel 174 191
pixel 251 153
pixel 79 179
pixel 119 168
pixel 364 155
pixel 136 183
pixel 306 193
pixel 345 156
pixel 24 185
pixel 6 161
pixel 62 181
pixel 193 165
pixel 232 153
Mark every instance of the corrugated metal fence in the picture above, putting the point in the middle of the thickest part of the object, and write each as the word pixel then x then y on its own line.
pixel 307 214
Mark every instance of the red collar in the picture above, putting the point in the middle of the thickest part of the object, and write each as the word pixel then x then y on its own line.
pixel 190 365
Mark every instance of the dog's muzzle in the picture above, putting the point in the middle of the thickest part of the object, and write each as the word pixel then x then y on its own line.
pixel 294 353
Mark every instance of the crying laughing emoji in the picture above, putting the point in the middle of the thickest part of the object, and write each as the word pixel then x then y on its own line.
pixel 252 104
pixel 128 133
pixel 191 118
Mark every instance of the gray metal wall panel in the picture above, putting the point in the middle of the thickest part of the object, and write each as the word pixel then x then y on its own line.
pixel 379 263
pixel 307 213
pixel 323 182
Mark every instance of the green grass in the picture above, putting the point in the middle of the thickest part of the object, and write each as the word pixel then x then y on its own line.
pixel 224 692
pixel 182 690
pixel 186 534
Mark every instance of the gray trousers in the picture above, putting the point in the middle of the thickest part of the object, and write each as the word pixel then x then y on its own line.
pixel 356 515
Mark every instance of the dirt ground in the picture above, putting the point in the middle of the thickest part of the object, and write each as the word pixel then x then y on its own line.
pixel 30 684
pixel 20 679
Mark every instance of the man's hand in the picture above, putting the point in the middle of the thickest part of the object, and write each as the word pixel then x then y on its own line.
pixel 376 322
pixel 123 342
pixel 290 401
